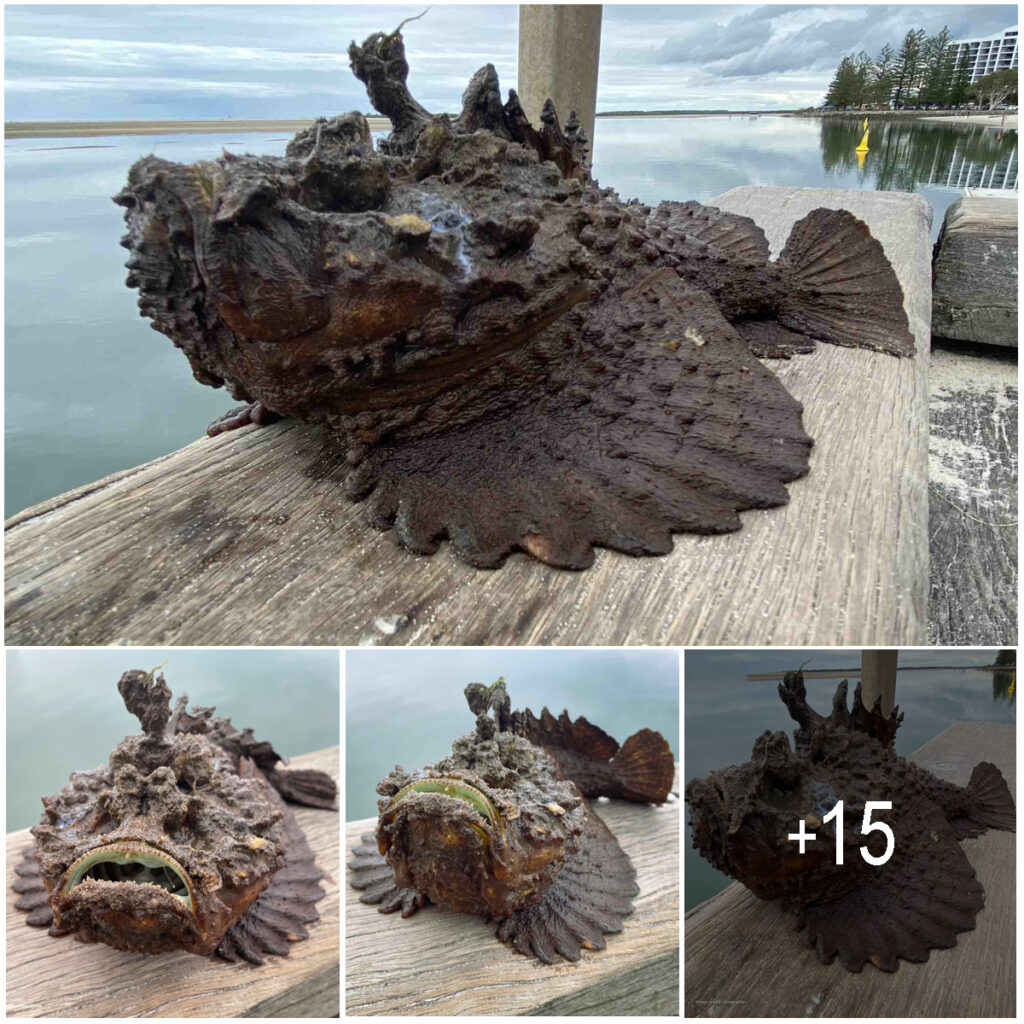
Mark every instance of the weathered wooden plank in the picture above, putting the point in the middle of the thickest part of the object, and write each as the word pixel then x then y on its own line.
pixel 247 539
pixel 973 509
pixel 438 962
pixel 974 293
pixel 49 977
pixel 744 958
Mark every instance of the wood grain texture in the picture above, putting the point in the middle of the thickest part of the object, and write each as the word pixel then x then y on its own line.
pixel 246 538
pixel 49 977
pixel 442 963
pixel 973 510
pixel 744 957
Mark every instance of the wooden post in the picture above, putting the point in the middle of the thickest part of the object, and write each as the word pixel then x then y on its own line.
pixel 559 49
pixel 878 678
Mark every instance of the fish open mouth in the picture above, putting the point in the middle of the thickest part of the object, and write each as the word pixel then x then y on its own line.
pixel 133 863
pixel 457 788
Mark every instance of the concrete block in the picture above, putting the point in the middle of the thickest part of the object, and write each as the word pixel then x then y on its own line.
pixel 974 269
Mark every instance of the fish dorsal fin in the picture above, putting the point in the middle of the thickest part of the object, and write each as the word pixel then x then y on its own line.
pixel 579 736
pixel 873 722
pixel 729 234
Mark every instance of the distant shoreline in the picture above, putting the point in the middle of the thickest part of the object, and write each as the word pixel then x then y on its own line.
pixel 690 113
pixel 95 129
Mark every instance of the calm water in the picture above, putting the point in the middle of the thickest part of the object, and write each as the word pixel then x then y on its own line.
pixel 725 713
pixel 64 713
pixel 406 707
pixel 91 389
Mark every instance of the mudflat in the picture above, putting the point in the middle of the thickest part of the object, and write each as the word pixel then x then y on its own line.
pixel 87 129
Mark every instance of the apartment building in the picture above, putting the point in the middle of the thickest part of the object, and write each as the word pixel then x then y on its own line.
pixel 989 53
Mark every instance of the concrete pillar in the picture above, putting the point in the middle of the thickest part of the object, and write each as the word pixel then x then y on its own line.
pixel 559 48
pixel 878 678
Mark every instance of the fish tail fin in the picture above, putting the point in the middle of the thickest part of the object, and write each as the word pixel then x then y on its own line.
pixel 990 803
pixel 842 288
pixel 305 786
pixel 644 768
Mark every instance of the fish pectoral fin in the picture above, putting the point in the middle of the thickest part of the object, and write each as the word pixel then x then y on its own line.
pixel 920 899
pixel 280 913
pixel 373 876
pixel 656 420
pixel 33 898
pixel 587 900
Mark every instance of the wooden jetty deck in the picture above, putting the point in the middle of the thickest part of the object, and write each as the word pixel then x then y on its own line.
pixel 973 511
pixel 246 538
pixel 745 959
pixel 49 977
pixel 442 963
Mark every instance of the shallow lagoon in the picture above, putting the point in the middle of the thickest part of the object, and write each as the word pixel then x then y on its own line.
pixel 92 390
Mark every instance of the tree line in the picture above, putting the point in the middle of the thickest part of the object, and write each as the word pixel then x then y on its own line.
pixel 923 71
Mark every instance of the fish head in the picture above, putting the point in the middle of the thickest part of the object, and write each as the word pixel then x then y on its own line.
pixel 164 848
pixel 340 282
pixel 746 820
pixel 474 842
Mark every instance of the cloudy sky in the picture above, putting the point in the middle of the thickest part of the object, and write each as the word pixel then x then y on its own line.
pixel 130 62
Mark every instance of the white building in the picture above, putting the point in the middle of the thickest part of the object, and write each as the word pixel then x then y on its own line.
pixel 989 53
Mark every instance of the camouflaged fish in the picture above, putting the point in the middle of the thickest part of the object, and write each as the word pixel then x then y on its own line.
pixel 919 900
pixel 182 841
pixel 502 827
pixel 506 354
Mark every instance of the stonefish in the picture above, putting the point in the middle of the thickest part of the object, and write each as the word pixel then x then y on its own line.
pixel 503 827
pixel 507 355
pixel 182 841
pixel 927 892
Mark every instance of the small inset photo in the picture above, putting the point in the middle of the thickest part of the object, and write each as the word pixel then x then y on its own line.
pixel 513 832
pixel 172 833
pixel 851 819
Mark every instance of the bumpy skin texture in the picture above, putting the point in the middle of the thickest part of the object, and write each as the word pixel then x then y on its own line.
pixel 509 356
pixel 920 899
pixel 180 842
pixel 500 827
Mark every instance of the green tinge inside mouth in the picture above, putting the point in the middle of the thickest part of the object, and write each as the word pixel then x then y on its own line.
pixel 454 788
pixel 133 864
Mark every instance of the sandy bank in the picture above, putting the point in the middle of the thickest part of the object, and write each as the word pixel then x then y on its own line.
pixel 990 120
pixel 92 129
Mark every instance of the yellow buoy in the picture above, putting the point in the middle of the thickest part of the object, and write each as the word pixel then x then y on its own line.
pixel 863 147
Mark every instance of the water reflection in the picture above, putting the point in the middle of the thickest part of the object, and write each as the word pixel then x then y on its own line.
pixel 724 712
pixel 906 156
